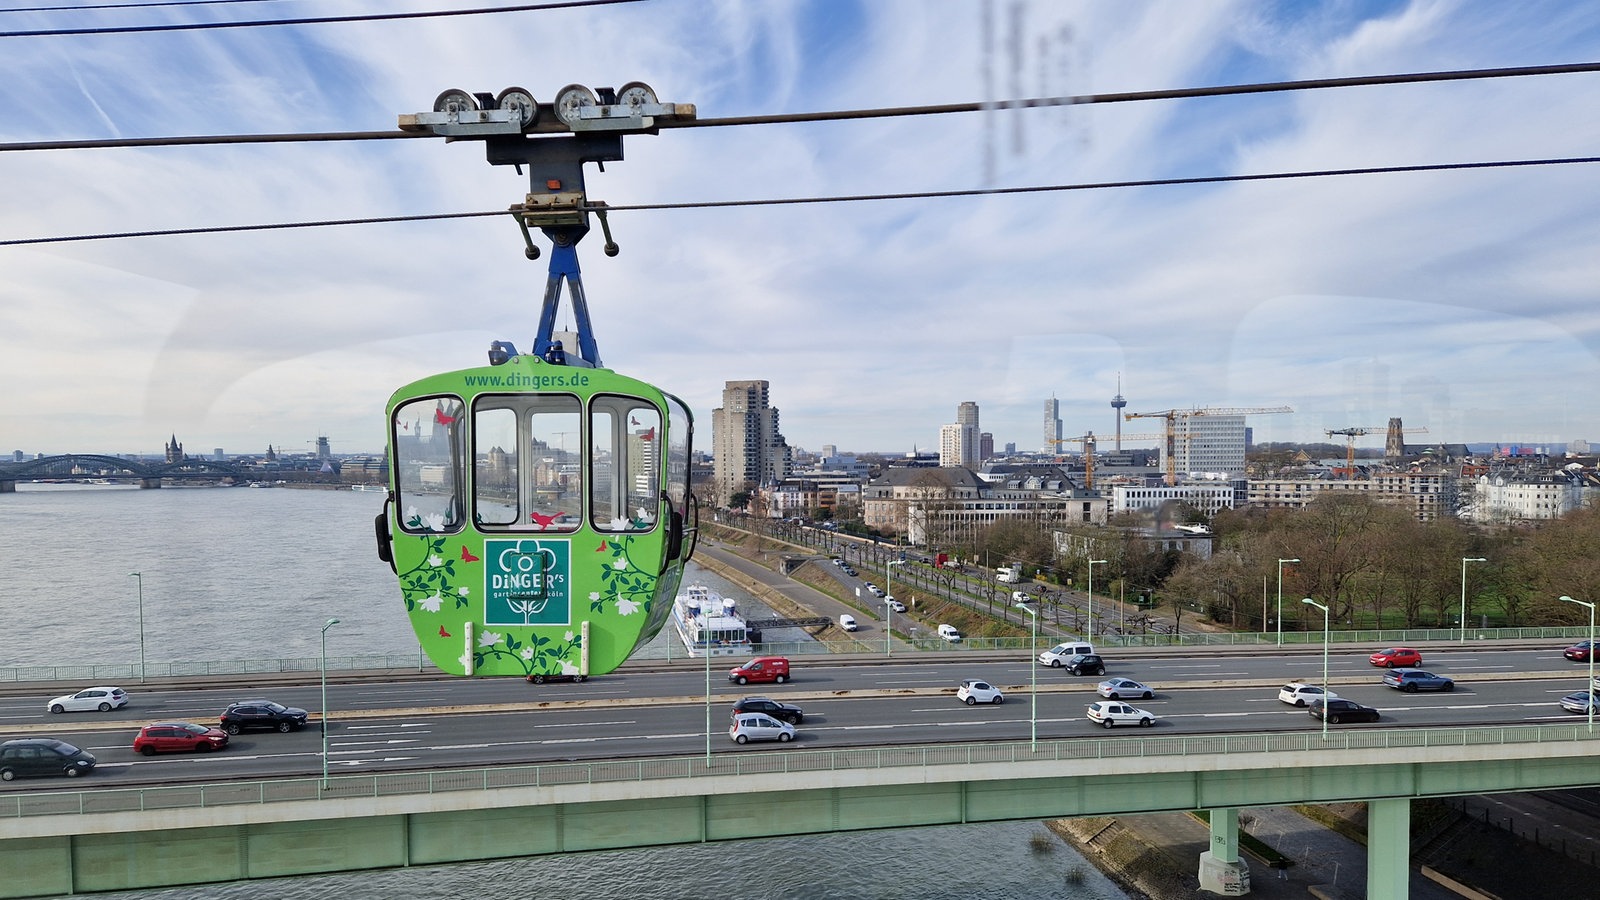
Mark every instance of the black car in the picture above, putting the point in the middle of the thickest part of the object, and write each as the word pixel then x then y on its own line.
pixel 1338 710
pixel 1085 664
pixel 247 714
pixel 784 712
pixel 42 756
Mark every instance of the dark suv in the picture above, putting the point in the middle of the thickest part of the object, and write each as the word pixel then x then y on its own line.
pixel 42 756
pixel 1085 664
pixel 248 714
pixel 781 711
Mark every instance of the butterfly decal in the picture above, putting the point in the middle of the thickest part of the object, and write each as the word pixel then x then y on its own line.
pixel 542 520
pixel 442 632
pixel 466 555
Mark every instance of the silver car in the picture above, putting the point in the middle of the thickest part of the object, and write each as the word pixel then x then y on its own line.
pixel 759 727
pixel 1117 688
pixel 1581 701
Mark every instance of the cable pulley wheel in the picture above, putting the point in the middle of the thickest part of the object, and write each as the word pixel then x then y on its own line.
pixel 570 102
pixel 521 100
pixel 454 100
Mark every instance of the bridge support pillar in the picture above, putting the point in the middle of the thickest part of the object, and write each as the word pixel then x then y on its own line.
pixel 8 487
pixel 1388 848
pixel 149 483
pixel 1221 870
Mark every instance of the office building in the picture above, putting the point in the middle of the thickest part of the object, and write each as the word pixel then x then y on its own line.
pixel 748 450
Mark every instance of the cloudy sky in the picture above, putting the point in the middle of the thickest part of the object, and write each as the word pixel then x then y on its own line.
pixel 1462 301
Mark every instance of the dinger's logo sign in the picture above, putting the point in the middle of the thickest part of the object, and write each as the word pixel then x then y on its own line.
pixel 527 582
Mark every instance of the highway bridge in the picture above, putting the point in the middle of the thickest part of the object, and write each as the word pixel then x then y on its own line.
pixel 96 467
pixel 425 771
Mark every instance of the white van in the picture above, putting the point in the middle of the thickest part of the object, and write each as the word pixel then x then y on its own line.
pixel 949 633
pixel 1058 655
pixel 847 622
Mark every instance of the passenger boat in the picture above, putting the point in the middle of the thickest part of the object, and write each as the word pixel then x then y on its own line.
pixel 709 624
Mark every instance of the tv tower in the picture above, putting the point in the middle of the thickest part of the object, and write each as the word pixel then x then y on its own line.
pixel 1117 403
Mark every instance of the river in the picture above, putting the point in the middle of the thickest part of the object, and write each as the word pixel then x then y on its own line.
pixel 239 573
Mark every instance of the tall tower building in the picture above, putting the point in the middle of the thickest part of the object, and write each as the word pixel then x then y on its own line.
pixel 1117 403
pixel 1052 425
pixel 748 450
pixel 967 418
pixel 1394 443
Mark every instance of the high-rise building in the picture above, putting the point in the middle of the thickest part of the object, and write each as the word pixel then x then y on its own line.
pixel 1210 444
pixel 970 453
pixel 1052 425
pixel 748 450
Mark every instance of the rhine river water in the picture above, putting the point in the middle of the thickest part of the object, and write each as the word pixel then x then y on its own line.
pixel 239 573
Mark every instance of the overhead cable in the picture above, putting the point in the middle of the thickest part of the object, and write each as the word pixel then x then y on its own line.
pixel 852 198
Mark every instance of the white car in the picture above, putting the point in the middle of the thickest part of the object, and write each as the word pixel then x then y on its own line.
pixel 974 692
pixel 894 604
pixel 1057 656
pixel 874 590
pixel 1117 688
pixel 1298 694
pixel 103 699
pixel 1110 712
pixel 847 622
pixel 759 727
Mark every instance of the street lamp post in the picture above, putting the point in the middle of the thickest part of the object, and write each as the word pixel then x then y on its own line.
pixel 1280 597
pixel 1464 561
pixel 1033 668
pixel 140 577
pixel 1324 609
pixel 1590 688
pixel 888 594
pixel 1090 629
pixel 325 626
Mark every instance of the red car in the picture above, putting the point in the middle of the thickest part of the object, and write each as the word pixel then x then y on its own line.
pixel 1395 657
pixel 178 737
pixel 1578 652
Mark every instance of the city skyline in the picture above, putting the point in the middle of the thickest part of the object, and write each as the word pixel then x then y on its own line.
pixel 1459 300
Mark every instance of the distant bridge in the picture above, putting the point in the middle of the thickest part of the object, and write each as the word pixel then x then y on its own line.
pixel 96 467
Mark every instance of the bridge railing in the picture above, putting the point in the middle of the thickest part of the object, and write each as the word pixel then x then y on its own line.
pixel 115 673
pixel 721 765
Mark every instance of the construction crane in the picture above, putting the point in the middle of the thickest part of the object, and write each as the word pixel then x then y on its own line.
pixel 1353 432
pixel 1088 451
pixel 1171 415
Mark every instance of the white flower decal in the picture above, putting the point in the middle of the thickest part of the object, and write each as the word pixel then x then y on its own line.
pixel 465 661
pixel 434 521
pixel 626 607
pixel 463 590
pixel 570 636
pixel 431 604
pixel 435 561
pixel 527 653
pixel 569 669
pixel 488 639
pixel 621 563
pixel 593 596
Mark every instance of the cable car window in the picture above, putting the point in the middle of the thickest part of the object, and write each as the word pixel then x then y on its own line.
pixel 681 431
pixel 553 494
pixel 495 482
pixel 427 464
pixel 625 462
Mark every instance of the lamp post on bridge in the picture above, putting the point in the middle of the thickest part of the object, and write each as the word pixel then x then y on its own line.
pixel 325 626
pixel 139 576
pixel 1033 669
pixel 1324 609
pixel 1464 561
pixel 1590 689
pixel 888 607
pixel 1280 597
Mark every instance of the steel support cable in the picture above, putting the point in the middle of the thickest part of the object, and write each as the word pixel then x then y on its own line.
pixel 851 198
pixel 315 20
pixel 20 9
pixel 886 112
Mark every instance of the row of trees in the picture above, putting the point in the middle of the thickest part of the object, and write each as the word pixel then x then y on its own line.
pixel 1372 563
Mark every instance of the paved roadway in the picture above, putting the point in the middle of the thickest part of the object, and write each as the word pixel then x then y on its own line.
pixel 406 721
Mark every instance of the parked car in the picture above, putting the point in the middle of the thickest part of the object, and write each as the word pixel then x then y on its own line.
pixel 1117 688
pixel 847 622
pixel 26 757
pixel 1337 710
pixel 786 712
pixel 763 668
pixel 1413 680
pixel 1057 656
pixel 1396 657
pixel 178 737
pixel 848 570
pixel 759 727
pixel 1578 652
pixel 894 604
pixel 874 590
pixel 950 633
pixel 254 714
pixel 1109 713
pixel 1300 694
pixel 1084 664
pixel 103 699
pixel 1581 701
pixel 973 692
